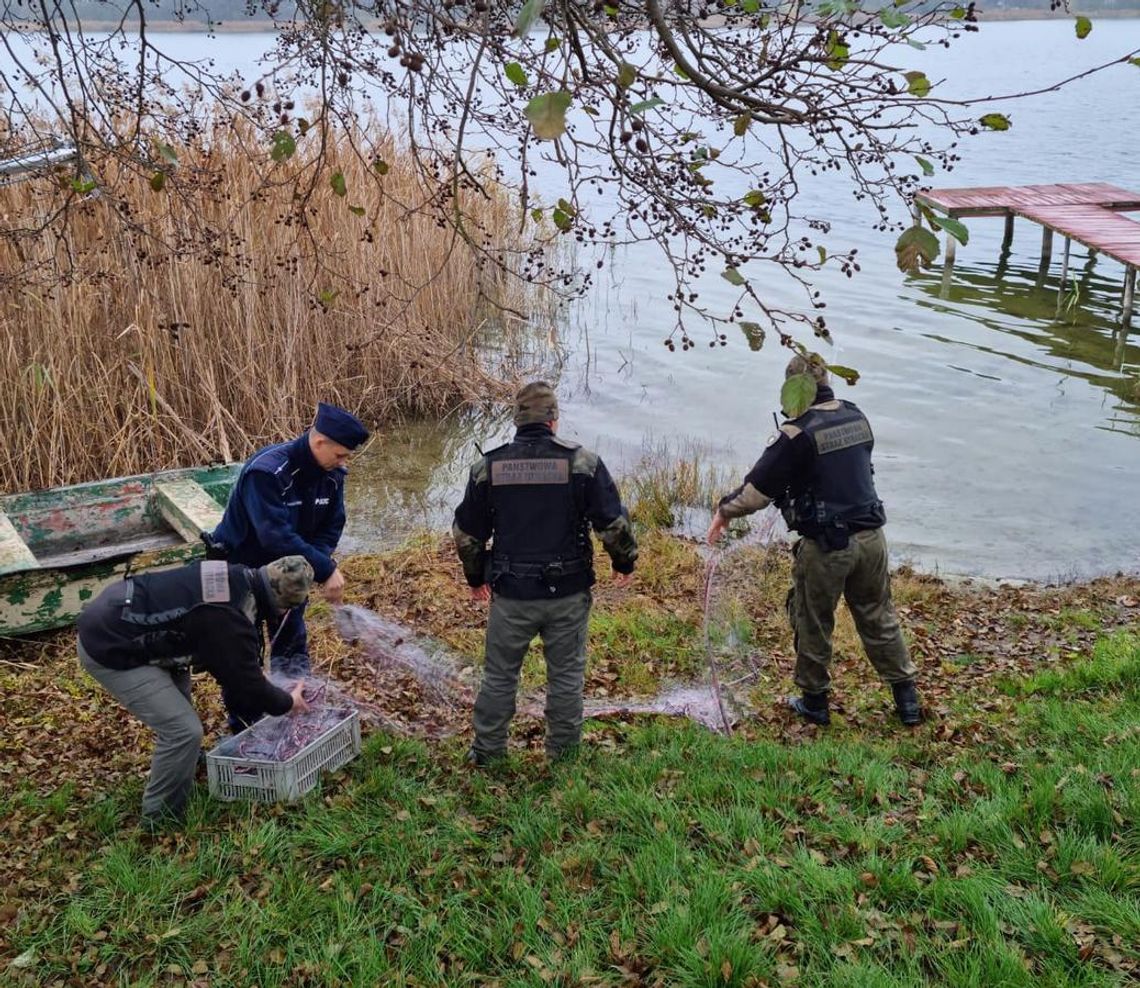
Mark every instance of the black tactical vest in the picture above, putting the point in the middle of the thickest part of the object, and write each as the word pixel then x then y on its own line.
pixel 839 497
pixel 542 545
pixel 154 604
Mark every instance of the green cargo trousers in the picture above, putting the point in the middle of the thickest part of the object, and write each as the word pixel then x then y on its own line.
pixel 860 574
pixel 511 627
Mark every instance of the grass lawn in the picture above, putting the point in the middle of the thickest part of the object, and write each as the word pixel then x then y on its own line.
pixel 996 844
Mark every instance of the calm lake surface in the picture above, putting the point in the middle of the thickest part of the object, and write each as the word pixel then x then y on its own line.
pixel 1007 440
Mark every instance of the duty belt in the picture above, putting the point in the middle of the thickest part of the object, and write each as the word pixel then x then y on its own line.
pixel 548 571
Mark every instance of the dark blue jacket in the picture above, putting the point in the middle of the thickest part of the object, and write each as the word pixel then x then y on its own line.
pixel 283 504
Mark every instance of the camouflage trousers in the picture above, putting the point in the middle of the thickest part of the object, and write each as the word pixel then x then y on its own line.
pixel 511 627
pixel 859 574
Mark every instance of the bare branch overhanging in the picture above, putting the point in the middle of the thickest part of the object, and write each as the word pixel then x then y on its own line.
pixel 690 125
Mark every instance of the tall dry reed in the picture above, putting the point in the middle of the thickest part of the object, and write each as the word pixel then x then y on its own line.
pixel 144 329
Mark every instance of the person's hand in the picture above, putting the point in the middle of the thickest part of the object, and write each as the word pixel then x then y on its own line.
pixel 333 587
pixel 622 580
pixel 300 705
pixel 716 528
pixel 481 594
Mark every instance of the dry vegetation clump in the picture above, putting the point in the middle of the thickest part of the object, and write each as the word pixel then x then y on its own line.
pixel 193 313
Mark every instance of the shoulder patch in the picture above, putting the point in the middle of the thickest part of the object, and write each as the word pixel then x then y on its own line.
pixel 480 472
pixel 790 430
pixel 585 461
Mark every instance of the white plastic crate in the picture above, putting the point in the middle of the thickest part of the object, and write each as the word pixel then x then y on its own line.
pixel 233 775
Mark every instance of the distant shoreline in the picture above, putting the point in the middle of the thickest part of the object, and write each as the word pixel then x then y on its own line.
pixel 250 26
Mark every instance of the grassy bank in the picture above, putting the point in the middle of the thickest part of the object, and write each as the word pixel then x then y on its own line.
pixel 995 844
pixel 188 312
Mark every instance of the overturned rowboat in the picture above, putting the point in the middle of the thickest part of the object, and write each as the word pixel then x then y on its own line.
pixel 59 547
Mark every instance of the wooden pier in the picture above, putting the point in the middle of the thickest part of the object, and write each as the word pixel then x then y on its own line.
pixel 1087 213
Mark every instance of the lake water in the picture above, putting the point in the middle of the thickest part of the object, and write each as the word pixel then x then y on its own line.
pixel 1007 440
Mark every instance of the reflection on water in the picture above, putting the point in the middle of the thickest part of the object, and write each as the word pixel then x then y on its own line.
pixel 1073 330
pixel 411 476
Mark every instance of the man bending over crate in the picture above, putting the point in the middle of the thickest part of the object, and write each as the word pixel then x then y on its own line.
pixel 141 637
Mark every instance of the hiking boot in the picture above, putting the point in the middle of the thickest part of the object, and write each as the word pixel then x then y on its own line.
pixel 812 707
pixel 906 702
pixel 480 759
pixel 560 755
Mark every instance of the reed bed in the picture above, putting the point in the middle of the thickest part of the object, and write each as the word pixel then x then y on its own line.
pixel 144 328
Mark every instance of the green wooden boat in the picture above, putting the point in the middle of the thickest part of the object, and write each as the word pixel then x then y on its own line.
pixel 60 547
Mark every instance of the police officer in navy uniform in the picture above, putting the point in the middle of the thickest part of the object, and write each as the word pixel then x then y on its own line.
pixel 536 498
pixel 141 637
pixel 289 500
pixel 817 469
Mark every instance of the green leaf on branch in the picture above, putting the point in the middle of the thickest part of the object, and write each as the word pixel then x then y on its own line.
pixel 849 374
pixel 593 111
pixel 536 215
pixel 327 296
pixel 381 167
pixel 356 210
pixel 610 10
pixel 1135 61
pixel 916 248
pixel 732 276
pixel 167 153
pixel 547 114
pixel 553 44
pixel 567 208
pixel 797 395
pixel 648 104
pixel 1083 27
pixel 754 334
pixel 916 83
pixel 83 185
pixel 958 13
pixel 562 219
pixel 996 121
pixel 892 18
pixel 627 75
pixel 530 12
pixel 955 228
pixel 741 124
pixel 822 254
pixel 339 187
pixel 283 147
pixel 751 6
pixel 926 166
pixel 516 74
pixel 837 51
pixel 755 198
pixel 158 181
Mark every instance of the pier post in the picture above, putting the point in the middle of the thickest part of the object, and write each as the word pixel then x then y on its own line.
pixel 948 266
pixel 1046 255
pixel 1129 290
pixel 1064 276
pixel 1007 238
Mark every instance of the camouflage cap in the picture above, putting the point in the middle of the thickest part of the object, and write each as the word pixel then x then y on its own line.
pixel 536 402
pixel 811 364
pixel 289 579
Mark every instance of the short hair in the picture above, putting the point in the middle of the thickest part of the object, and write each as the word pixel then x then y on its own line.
pixel 811 364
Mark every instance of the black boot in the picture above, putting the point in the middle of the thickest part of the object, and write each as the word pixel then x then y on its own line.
pixel 811 707
pixel 906 702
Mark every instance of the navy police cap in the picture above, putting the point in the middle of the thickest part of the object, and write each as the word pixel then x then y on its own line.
pixel 339 426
